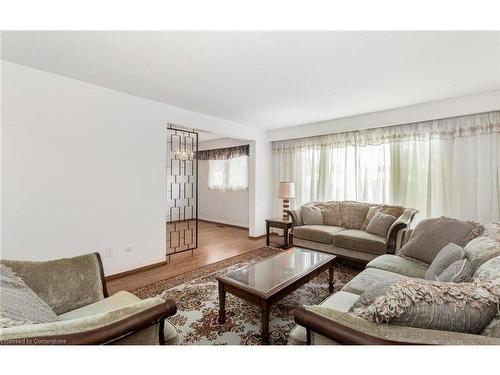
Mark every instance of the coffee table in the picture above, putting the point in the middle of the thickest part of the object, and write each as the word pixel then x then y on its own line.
pixel 266 282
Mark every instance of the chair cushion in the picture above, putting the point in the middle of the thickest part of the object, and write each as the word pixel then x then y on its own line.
pixel 431 235
pixel 353 214
pixel 395 211
pixel 19 305
pixel 317 233
pixel 360 240
pixel 380 224
pixel 341 301
pixel 170 333
pixel 364 280
pixel 448 255
pixel 400 265
pixel 113 302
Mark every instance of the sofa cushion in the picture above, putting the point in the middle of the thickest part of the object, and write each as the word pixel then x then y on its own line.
pixel 458 272
pixel 400 265
pixel 448 255
pixel 311 215
pixel 431 235
pixel 395 211
pixel 317 233
pixel 113 302
pixel 364 280
pixel 493 327
pixel 340 301
pixel 19 305
pixel 489 270
pixel 457 307
pixel 481 249
pixel 380 224
pixel 353 214
pixel 331 214
pixel 360 240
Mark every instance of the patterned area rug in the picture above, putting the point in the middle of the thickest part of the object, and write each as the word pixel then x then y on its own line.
pixel 197 301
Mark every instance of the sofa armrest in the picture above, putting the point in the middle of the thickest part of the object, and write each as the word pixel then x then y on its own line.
pixel 296 217
pixel 345 328
pixel 65 284
pixel 103 328
pixel 401 223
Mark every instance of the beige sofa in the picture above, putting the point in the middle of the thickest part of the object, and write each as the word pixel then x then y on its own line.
pixel 75 289
pixel 330 323
pixel 343 229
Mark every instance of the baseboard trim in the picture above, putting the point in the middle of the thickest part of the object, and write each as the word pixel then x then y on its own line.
pixel 222 223
pixel 135 270
pixel 257 237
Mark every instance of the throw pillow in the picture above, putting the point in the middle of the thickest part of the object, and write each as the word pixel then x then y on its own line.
pixel 311 215
pixel 465 307
pixel 395 211
pixel 448 255
pixel 380 224
pixel 482 249
pixel 431 235
pixel 353 214
pixel 19 305
pixel 458 272
pixel 489 270
pixel 331 214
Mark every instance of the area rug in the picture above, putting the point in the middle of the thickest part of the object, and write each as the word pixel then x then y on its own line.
pixel 197 301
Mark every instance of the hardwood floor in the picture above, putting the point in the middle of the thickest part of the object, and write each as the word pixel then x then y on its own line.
pixel 216 242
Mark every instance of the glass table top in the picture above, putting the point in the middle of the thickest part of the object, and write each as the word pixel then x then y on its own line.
pixel 273 271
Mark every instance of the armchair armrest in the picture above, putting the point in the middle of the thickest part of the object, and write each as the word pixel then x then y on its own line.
pixel 103 328
pixel 65 284
pixel 402 222
pixel 345 328
pixel 296 217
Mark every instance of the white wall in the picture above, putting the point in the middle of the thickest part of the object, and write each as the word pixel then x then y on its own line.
pixel 83 169
pixel 222 206
pixel 460 106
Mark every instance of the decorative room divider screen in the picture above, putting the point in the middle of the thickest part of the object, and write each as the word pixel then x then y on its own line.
pixel 182 190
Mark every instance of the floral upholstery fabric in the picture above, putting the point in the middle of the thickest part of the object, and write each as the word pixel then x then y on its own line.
pixel 353 214
pixel 489 270
pixel 481 249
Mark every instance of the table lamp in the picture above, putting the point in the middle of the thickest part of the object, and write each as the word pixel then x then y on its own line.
pixel 286 191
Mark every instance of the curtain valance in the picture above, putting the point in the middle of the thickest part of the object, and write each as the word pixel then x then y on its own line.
pixel 224 153
pixel 448 128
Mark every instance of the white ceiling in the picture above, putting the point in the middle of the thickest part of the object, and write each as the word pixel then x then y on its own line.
pixel 270 79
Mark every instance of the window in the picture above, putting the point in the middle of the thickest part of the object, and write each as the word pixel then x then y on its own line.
pixel 230 174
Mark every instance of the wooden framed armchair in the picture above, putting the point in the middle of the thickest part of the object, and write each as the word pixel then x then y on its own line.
pixel 75 289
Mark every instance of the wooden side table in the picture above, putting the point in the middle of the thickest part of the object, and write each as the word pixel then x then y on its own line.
pixel 286 225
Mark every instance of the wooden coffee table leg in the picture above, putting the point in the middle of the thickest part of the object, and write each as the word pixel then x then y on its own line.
pixel 222 303
pixel 266 309
pixel 330 277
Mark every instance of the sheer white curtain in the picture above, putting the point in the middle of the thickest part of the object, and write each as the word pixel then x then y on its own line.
pixel 228 174
pixel 442 167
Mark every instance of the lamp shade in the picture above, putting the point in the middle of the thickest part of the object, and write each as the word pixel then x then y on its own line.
pixel 286 190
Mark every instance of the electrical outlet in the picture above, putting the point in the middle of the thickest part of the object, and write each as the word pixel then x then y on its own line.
pixel 129 249
pixel 108 252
